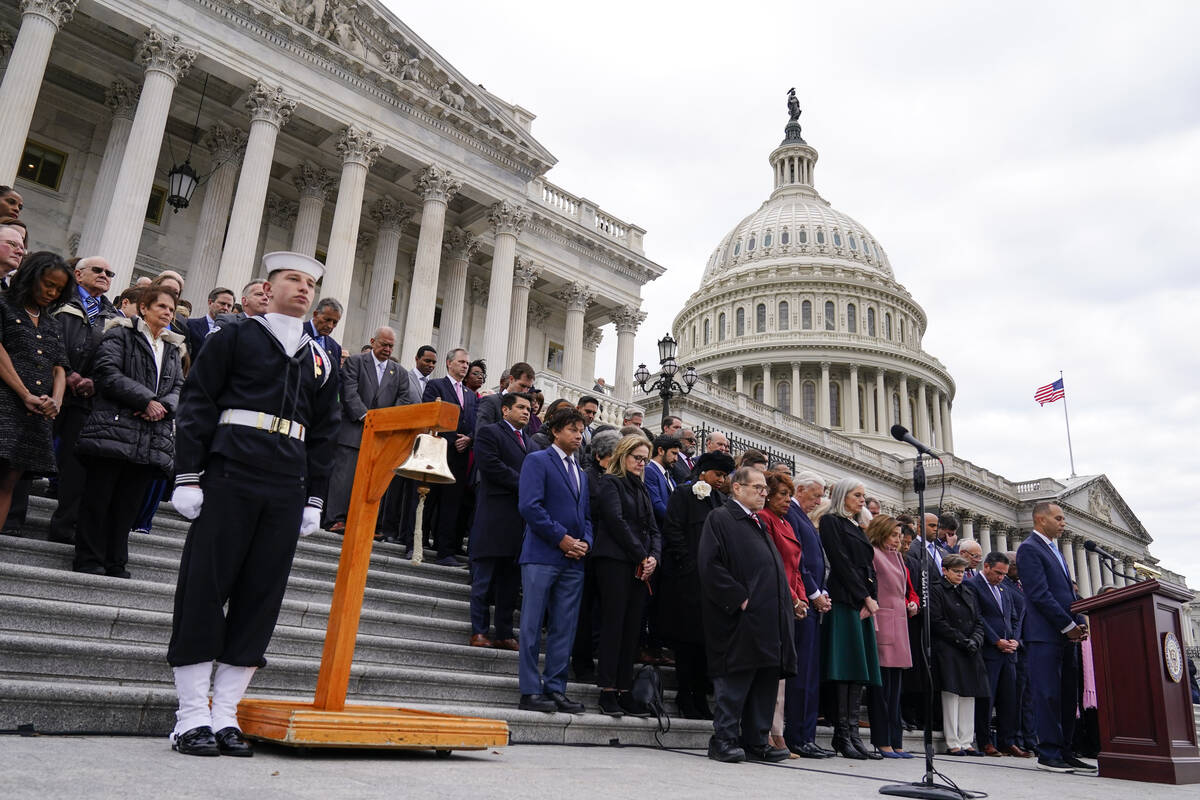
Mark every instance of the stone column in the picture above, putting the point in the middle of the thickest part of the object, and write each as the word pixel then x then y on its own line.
pixel 1106 576
pixel 627 319
pixel 592 337
pixel 1067 546
pixel 880 403
pixel 313 182
pixel 1082 575
pixel 535 341
pixel 1130 570
pixel 936 441
pixel 121 98
pixel 797 410
pixel 852 426
pixel 270 109
pixel 507 221
pixel 40 22
pixel 166 61
pixel 390 215
pixel 869 417
pixel 768 386
pixel 479 305
pixel 525 275
pixel 968 526
pixel 279 219
pixel 1095 574
pixel 905 414
pixel 359 151
pixel 985 536
pixel 947 437
pixel 740 380
pixel 437 186
pixel 226 145
pixel 457 246
pixel 823 415
pixel 577 297
pixel 922 413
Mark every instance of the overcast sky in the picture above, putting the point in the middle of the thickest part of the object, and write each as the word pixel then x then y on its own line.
pixel 1030 168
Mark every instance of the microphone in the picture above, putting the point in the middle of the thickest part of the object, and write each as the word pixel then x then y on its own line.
pixel 901 434
pixel 1092 547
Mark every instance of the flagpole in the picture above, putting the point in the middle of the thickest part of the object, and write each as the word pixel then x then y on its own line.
pixel 1067 419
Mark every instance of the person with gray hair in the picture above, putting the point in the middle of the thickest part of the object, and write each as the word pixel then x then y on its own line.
pixel 325 317
pixel 851 659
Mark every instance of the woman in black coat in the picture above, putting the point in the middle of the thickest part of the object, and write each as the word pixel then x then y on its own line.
pixel 958 666
pixel 625 553
pixel 849 655
pixel 679 617
pixel 129 438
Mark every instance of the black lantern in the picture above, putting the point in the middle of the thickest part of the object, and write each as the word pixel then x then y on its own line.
pixel 666 385
pixel 182 181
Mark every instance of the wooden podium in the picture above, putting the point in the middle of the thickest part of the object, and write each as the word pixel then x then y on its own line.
pixel 388 435
pixel 1147 728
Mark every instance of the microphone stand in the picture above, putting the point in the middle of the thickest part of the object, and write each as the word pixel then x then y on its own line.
pixel 927 787
pixel 1108 562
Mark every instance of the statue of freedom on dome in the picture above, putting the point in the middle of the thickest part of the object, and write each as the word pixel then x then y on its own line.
pixel 793 105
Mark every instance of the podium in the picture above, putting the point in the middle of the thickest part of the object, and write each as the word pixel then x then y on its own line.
pixel 388 435
pixel 1147 727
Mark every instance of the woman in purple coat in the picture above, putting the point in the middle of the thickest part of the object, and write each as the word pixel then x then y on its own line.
pixel 897 602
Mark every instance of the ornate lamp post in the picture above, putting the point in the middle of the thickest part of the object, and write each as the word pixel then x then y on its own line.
pixel 666 386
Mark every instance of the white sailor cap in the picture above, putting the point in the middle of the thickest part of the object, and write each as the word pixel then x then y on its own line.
pixel 297 261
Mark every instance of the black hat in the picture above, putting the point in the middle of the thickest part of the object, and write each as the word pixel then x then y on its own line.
pixel 721 462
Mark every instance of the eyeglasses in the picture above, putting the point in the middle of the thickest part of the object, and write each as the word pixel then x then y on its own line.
pixel 103 271
pixel 761 488
pixel 640 459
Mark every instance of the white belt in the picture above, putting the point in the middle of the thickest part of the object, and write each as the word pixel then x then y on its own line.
pixel 262 421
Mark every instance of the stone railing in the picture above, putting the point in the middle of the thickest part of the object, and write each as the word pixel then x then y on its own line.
pixel 755 341
pixel 583 211
pixel 553 387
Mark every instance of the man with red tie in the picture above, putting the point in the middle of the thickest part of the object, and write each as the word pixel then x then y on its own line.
pixel 453 506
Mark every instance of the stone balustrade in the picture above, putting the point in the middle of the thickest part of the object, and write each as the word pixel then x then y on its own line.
pixel 583 211
pixel 554 387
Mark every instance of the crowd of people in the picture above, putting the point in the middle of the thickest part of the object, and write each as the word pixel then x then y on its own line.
pixel 777 596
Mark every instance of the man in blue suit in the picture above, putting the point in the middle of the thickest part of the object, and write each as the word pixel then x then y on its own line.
pixel 453 499
pixel 1002 634
pixel 500 450
pixel 1052 634
pixel 659 480
pixel 220 301
pixel 558 535
pixel 803 691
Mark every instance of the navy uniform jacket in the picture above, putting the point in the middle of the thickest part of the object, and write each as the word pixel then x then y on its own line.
pixel 328 344
pixel 246 368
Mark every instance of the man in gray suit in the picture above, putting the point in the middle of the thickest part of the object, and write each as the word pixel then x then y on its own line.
pixel 521 380
pixel 369 380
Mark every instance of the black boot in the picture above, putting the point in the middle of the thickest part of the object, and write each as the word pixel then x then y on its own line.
pixel 841 723
pixel 854 702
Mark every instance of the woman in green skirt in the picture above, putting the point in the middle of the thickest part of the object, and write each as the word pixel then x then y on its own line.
pixel 848 631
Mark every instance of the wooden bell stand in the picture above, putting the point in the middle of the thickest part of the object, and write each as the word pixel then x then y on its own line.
pixel 388 436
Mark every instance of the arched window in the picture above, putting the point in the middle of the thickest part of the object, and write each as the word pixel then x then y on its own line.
pixel 803 236
pixel 902 330
pixel 758 392
pixel 887 325
pixel 767 239
pixel 820 236
pixel 750 245
pixel 830 316
pixel 837 239
pixel 740 321
pixel 760 318
pixel 737 249
pixel 721 327
pixel 853 243
pixel 784 238
pixel 693 336
pixel 895 408
pixel 870 322
pixel 835 404
pixel 806 315
pixel 808 401
pixel 707 331
pixel 783 315
pixel 783 396
pixel 852 318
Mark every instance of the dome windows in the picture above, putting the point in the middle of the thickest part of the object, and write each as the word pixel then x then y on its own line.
pixel 830 316
pixel 853 242
pixel 835 404
pixel 820 236
pixel 852 318
pixel 758 392
pixel 808 401
pixel 887 326
pixel 760 318
pixel 806 315
pixel 721 327
pixel 870 322
pixel 767 239
pixel 741 322
pixel 784 237
pixel 784 315
pixel 837 239
pixel 895 408
pixel 902 330
pixel 783 396
pixel 737 249
pixel 750 245
pixel 707 331
pixel 803 234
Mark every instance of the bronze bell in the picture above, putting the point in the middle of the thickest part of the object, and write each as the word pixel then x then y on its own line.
pixel 427 463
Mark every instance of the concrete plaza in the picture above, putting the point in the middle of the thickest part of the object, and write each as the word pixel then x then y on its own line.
pixel 51 767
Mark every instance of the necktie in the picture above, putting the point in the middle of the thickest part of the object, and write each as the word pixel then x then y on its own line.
pixel 571 471
pixel 670 481
pixel 1062 561
pixel 520 438
pixel 91 305
pixel 458 391
pixel 996 594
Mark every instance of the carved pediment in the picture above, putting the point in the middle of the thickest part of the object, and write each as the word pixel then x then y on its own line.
pixel 1099 499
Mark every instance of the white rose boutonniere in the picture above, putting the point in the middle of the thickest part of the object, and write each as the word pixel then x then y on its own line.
pixel 701 489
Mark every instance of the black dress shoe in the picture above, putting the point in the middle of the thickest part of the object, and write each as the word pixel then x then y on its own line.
pixel 118 573
pixel 196 742
pixel 1077 764
pixel 1054 765
pixel 725 751
pixel 806 750
pixel 767 753
pixel 564 703
pixel 90 570
pixel 230 742
pixel 537 702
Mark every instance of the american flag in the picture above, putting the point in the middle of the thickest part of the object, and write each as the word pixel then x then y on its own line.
pixel 1050 392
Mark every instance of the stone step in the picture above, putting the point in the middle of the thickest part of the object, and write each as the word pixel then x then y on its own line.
pixel 61 706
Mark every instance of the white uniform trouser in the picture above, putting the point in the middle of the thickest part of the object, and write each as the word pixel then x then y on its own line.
pixel 958 720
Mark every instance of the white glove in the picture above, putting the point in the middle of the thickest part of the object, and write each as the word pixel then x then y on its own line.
pixel 310 523
pixel 187 500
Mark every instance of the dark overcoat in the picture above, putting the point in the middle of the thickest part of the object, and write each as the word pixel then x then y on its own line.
pixel 954 620
pixel 624 524
pixel 679 614
pixel 499 527
pixel 851 560
pixel 738 563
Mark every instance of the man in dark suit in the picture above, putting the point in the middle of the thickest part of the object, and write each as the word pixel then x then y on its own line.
pixel 659 482
pixel 369 380
pixel 748 613
pixel 554 502
pixel 1026 731
pixel 521 381
pixel 589 407
pixel 325 317
pixel 802 698
pixel 1052 634
pixel 500 450
pixel 220 301
pixel 453 499
pixel 1002 634
pixel 682 469
pixel 254 302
